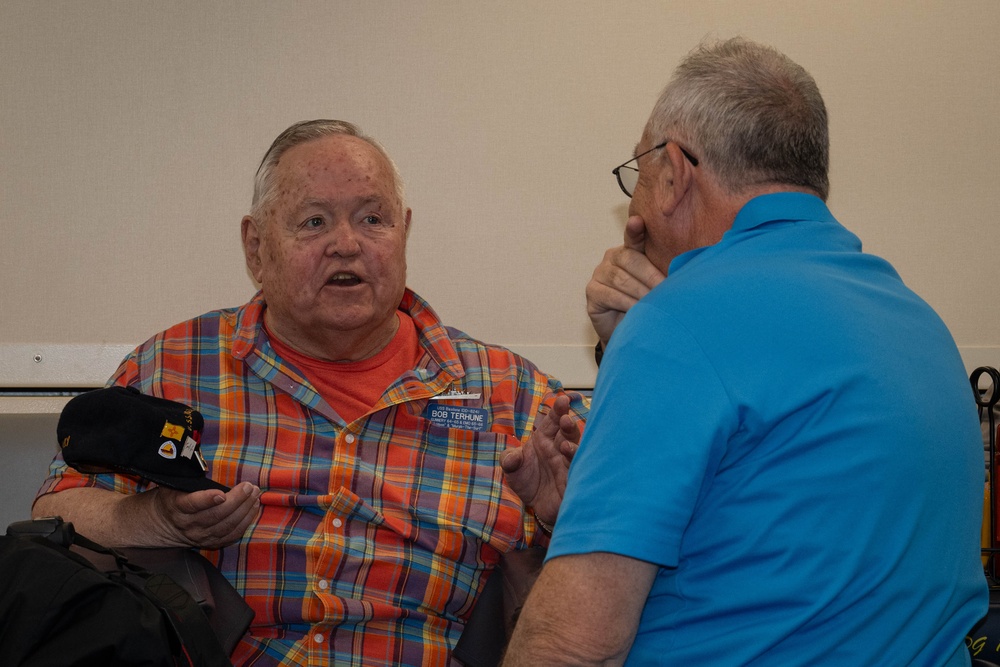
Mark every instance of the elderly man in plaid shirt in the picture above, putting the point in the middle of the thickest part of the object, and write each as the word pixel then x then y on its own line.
pixel 380 462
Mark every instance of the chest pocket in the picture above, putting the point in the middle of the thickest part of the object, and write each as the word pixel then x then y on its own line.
pixel 453 492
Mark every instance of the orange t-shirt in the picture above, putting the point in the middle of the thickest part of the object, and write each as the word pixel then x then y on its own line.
pixel 352 388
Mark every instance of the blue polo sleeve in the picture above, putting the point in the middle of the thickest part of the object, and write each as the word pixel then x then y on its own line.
pixel 658 427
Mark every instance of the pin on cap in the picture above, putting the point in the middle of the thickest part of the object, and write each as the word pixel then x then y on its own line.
pixel 120 429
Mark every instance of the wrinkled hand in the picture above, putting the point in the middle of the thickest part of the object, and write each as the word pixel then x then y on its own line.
pixel 537 470
pixel 624 276
pixel 209 519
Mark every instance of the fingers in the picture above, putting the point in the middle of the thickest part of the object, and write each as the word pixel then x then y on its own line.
pixel 560 428
pixel 631 273
pixel 568 449
pixel 557 422
pixel 624 276
pixel 635 234
pixel 626 268
pixel 560 407
pixel 548 425
pixel 634 261
pixel 238 511
pixel 569 429
pixel 537 470
pixel 567 439
pixel 511 460
pixel 210 519
pixel 199 501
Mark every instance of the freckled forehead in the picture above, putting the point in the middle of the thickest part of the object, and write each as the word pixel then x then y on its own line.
pixel 341 162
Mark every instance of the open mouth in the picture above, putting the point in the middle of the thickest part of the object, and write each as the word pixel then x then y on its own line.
pixel 344 279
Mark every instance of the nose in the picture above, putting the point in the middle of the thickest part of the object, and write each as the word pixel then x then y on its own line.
pixel 342 241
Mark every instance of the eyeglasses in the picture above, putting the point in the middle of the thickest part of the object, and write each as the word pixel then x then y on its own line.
pixel 628 176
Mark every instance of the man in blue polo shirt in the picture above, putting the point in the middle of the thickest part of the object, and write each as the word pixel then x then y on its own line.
pixel 782 464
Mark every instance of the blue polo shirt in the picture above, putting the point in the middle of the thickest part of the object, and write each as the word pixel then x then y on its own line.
pixel 788 432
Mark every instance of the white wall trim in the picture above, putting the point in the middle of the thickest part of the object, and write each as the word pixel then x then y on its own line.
pixel 48 365
pixel 28 368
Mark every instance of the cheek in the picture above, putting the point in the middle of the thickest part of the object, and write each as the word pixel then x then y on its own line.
pixel 290 272
pixel 391 258
pixel 639 204
pixel 392 271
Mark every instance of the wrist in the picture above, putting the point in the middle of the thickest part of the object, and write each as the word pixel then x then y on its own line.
pixel 146 517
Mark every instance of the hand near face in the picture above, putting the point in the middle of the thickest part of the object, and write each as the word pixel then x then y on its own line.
pixel 537 470
pixel 624 276
pixel 205 519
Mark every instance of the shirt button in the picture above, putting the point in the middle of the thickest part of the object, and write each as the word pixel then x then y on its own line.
pixel 349 439
pixel 323 584
pixel 318 637
pixel 337 523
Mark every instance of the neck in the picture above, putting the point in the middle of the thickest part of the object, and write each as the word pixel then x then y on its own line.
pixel 338 345
pixel 716 212
pixel 710 211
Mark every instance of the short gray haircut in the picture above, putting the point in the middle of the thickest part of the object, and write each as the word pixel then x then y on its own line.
pixel 300 133
pixel 751 114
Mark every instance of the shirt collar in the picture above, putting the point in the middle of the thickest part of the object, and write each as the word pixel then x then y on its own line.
pixel 780 207
pixel 431 332
pixel 763 210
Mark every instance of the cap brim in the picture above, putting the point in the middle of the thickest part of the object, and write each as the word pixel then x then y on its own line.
pixel 189 484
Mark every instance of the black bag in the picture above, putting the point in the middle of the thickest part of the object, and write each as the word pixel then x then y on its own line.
pixel 56 608
pixel 498 607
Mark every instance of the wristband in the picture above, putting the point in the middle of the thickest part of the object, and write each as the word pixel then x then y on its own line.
pixel 545 528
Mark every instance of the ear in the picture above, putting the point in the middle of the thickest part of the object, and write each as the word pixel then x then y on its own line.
pixel 676 178
pixel 251 234
pixel 406 222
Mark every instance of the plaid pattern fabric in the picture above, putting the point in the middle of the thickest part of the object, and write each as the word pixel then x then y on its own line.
pixel 374 537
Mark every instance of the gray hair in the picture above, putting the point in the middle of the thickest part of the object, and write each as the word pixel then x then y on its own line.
pixel 750 113
pixel 300 133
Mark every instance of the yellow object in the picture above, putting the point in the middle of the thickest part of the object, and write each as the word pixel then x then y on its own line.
pixel 172 431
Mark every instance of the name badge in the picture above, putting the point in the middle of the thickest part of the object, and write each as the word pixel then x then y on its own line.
pixel 458 416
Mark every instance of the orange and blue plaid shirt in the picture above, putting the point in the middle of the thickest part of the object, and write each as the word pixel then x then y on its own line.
pixel 374 536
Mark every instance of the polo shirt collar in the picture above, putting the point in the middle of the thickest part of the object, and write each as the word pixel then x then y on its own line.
pixel 780 207
pixel 764 210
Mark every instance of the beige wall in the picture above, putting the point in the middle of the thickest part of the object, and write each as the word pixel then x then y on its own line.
pixel 130 132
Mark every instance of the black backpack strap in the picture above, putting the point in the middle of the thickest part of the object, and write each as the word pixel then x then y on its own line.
pixel 200 647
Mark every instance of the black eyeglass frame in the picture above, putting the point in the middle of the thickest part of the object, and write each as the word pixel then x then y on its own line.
pixel 617 170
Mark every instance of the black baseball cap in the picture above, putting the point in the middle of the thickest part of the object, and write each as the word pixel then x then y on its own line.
pixel 120 429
